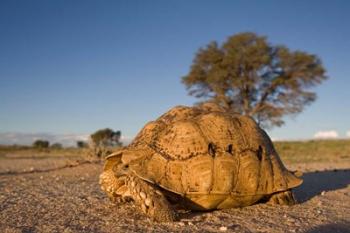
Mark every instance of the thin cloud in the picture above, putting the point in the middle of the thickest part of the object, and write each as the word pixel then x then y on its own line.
pixel 348 134
pixel 331 134
pixel 126 140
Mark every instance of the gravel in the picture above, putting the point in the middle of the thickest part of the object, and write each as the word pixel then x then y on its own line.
pixel 63 195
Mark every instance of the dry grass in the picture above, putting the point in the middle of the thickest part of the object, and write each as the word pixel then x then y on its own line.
pixel 290 151
pixel 29 152
pixel 313 151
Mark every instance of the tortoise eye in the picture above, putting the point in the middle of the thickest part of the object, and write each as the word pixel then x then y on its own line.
pixel 230 149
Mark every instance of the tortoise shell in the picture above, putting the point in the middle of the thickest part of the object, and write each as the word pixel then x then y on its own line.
pixel 212 159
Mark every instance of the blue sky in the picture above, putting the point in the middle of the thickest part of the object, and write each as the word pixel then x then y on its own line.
pixel 72 67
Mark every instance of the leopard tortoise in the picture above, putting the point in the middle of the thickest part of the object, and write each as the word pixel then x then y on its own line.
pixel 201 158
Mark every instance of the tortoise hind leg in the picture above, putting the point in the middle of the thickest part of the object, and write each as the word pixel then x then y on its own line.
pixel 282 198
pixel 150 199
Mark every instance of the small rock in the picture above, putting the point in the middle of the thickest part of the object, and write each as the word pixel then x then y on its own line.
pixel 67 230
pixel 323 193
pixel 31 169
pixel 181 224
pixel 223 228
pixel 190 223
pixel 41 177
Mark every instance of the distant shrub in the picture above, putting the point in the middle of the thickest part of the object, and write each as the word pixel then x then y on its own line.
pixel 103 142
pixel 82 144
pixel 41 144
pixel 56 146
pixel 99 152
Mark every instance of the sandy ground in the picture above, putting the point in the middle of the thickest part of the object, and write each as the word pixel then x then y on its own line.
pixel 55 194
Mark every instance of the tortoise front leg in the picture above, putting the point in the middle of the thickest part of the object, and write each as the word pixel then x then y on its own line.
pixel 114 187
pixel 150 199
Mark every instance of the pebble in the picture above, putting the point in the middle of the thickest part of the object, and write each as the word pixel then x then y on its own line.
pixel 148 202
pixel 67 230
pixel 323 193
pixel 223 228
pixel 143 195
pixel 291 220
pixel 181 224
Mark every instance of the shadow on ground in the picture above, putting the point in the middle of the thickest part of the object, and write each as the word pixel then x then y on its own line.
pixel 331 228
pixel 318 181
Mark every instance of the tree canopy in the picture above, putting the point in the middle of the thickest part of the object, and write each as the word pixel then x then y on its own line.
pixel 41 144
pixel 106 137
pixel 248 75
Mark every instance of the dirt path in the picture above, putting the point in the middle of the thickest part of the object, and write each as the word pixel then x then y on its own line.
pixel 69 200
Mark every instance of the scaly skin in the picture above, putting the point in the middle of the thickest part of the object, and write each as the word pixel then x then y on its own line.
pixel 146 196
pixel 114 187
pixel 282 198
pixel 150 199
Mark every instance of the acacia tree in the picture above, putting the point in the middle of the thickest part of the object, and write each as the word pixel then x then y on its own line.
pixel 106 137
pixel 248 75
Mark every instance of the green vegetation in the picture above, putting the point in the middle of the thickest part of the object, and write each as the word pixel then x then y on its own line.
pixel 41 144
pixel 248 75
pixel 313 150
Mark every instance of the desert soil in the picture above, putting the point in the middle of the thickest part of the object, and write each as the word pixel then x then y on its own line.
pixel 59 194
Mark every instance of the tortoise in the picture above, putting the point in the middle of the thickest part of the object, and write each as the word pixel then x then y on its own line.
pixel 201 158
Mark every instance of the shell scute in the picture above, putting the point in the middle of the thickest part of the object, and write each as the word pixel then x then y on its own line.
pixel 181 140
pixel 221 129
pixel 225 170
pixel 198 175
